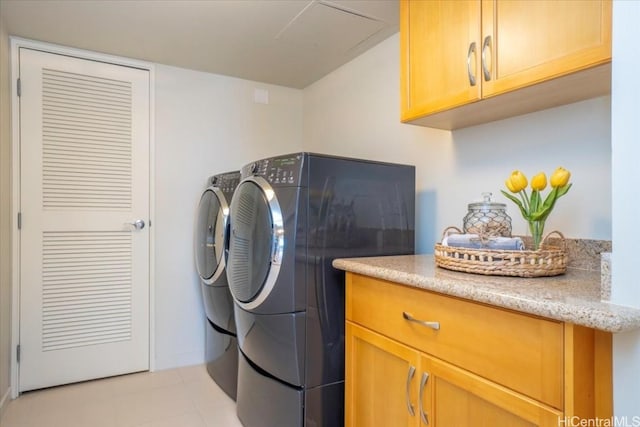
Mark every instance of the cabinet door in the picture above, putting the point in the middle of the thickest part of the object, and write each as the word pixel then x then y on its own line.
pixel 527 42
pixel 451 396
pixel 488 341
pixel 437 45
pixel 380 380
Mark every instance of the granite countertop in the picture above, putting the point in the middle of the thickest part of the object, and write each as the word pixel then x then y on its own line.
pixel 573 297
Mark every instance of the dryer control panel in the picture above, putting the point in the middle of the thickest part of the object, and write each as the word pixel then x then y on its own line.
pixel 280 171
pixel 226 182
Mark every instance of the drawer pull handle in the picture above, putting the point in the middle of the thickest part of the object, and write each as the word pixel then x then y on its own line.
pixel 412 371
pixel 472 50
pixel 433 325
pixel 423 382
pixel 485 70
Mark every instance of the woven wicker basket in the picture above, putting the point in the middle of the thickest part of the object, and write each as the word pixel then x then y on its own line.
pixel 547 261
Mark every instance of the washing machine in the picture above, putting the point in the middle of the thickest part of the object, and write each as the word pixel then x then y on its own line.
pixel 221 344
pixel 291 216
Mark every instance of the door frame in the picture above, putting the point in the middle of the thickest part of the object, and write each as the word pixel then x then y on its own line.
pixel 16 44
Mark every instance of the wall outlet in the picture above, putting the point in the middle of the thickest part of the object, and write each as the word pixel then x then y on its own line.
pixel 261 96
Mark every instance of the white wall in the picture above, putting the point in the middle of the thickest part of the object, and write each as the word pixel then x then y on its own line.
pixel 205 124
pixel 625 135
pixel 354 111
pixel 5 216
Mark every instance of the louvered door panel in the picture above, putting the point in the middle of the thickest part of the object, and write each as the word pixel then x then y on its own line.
pixel 86 141
pixel 86 288
pixel 84 309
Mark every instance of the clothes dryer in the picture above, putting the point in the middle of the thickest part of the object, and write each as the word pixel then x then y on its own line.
pixel 291 216
pixel 221 347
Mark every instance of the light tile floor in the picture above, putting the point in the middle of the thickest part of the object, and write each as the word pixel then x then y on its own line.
pixel 182 397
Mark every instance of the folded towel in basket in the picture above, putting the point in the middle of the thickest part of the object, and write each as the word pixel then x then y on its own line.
pixel 473 241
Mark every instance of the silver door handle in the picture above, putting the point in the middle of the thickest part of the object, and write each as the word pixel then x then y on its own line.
pixel 472 50
pixel 412 370
pixel 423 413
pixel 410 318
pixel 138 224
pixel 485 70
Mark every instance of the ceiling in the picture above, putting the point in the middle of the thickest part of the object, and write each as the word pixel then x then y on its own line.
pixel 290 43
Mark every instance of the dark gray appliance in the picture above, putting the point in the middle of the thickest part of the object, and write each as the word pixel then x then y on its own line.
pixel 291 216
pixel 221 345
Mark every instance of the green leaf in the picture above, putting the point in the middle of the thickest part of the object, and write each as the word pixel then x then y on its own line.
pixel 563 190
pixel 535 201
pixel 525 200
pixel 551 198
pixel 541 215
pixel 549 203
pixel 518 203
pixel 543 211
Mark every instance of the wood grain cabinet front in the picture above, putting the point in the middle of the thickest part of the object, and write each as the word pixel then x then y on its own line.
pixel 415 357
pixel 456 53
pixel 390 384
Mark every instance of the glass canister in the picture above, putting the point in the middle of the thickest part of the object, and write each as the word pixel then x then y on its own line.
pixel 487 218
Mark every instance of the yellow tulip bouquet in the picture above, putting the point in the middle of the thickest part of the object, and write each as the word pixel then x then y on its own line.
pixel 534 210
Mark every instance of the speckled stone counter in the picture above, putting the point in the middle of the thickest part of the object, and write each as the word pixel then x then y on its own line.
pixel 573 297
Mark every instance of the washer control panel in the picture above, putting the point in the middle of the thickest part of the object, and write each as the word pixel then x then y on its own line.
pixel 284 170
pixel 226 182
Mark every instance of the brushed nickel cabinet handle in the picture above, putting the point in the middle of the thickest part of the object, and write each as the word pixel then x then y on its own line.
pixel 433 325
pixel 412 371
pixel 423 413
pixel 472 50
pixel 485 70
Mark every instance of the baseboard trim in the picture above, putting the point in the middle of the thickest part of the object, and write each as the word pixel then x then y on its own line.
pixel 4 402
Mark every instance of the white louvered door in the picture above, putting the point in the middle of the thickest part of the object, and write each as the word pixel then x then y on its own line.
pixel 84 177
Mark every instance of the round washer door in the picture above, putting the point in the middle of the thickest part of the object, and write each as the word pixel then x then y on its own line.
pixel 256 242
pixel 213 213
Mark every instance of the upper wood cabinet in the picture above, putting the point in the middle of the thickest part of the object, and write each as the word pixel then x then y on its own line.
pixel 469 61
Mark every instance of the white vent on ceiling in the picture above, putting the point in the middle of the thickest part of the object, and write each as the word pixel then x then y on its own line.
pixel 314 27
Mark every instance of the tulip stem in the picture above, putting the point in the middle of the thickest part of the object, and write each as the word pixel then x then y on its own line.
pixel 525 200
pixel 537 230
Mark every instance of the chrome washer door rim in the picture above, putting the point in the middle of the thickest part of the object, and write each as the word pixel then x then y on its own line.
pixel 277 243
pixel 219 238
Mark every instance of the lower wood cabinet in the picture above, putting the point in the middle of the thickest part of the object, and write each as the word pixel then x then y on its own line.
pixel 393 379
pixel 380 389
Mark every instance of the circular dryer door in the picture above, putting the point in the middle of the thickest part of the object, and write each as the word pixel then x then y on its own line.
pixel 255 242
pixel 213 212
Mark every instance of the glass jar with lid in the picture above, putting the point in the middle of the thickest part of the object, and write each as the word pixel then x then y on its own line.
pixel 487 218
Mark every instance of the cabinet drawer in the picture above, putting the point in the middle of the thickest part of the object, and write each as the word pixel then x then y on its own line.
pixel 521 352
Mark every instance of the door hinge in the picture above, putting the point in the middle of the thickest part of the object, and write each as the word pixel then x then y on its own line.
pixel 19 220
pixel 19 87
pixel 18 353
